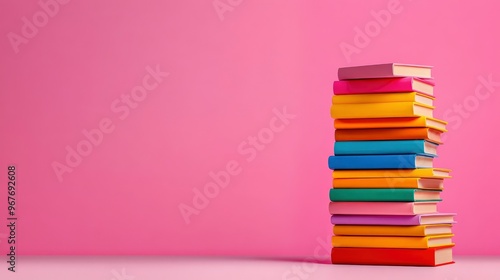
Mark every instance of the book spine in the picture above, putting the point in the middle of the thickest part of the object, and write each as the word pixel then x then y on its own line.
pixel 375 98
pixel 380 242
pixel 383 256
pixel 371 208
pixel 383 123
pixel 375 220
pixel 379 230
pixel 379 147
pixel 372 162
pixel 388 195
pixel 366 72
pixel 373 110
pixel 380 134
pixel 376 183
pixel 372 86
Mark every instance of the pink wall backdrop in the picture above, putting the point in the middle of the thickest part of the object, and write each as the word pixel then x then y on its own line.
pixel 118 114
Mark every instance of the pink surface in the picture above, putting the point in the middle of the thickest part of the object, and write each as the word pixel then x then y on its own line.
pixel 152 268
pixel 242 115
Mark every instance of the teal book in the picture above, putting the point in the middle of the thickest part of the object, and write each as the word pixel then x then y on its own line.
pixel 400 161
pixel 385 147
pixel 386 195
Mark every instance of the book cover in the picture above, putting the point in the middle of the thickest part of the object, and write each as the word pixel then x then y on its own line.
pixel 386 70
pixel 405 161
pixel 404 84
pixel 393 256
pixel 403 195
pixel 383 98
pixel 402 220
pixel 380 110
pixel 409 242
pixel 388 182
pixel 392 230
pixel 414 133
pixel 385 147
pixel 433 123
pixel 382 208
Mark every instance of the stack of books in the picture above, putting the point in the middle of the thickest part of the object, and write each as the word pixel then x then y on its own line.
pixel 385 187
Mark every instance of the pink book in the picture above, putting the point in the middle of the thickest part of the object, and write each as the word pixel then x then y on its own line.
pixel 382 208
pixel 387 70
pixel 401 220
pixel 387 85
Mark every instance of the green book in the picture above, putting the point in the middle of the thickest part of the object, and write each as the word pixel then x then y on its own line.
pixel 388 195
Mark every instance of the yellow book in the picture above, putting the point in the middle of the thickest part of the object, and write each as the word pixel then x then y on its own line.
pixel 393 241
pixel 383 98
pixel 388 182
pixel 390 123
pixel 380 110
pixel 376 230
pixel 384 173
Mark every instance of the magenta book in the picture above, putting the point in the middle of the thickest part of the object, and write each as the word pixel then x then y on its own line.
pixel 387 85
pixel 383 208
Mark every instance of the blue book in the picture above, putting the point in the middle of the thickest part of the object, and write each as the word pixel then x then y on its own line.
pixel 385 147
pixel 404 161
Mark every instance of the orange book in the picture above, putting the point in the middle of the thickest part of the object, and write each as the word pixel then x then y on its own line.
pixel 388 182
pixel 392 230
pixel 380 110
pixel 390 123
pixel 413 242
pixel 391 173
pixel 383 98
pixel 428 134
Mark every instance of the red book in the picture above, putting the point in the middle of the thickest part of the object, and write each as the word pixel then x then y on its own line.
pixel 390 256
pixel 390 85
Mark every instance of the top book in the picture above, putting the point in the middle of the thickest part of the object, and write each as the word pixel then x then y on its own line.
pixel 387 70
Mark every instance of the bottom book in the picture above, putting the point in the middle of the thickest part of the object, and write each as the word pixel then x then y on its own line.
pixel 393 256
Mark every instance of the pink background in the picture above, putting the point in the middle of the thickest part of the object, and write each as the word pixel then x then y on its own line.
pixel 227 75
